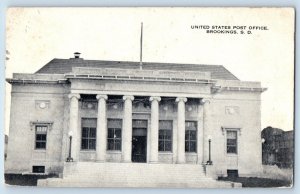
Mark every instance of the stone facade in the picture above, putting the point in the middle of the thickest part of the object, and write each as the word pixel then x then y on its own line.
pixel 60 102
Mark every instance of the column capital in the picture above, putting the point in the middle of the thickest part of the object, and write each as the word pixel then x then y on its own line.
pixel 101 96
pixel 74 95
pixel 157 98
pixel 178 99
pixel 128 98
pixel 204 101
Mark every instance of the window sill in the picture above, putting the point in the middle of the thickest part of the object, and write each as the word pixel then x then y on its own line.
pixel 88 151
pixel 165 153
pixel 232 155
pixel 114 152
pixel 191 153
pixel 35 173
pixel 40 150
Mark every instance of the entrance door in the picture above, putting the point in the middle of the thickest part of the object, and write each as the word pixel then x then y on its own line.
pixel 139 145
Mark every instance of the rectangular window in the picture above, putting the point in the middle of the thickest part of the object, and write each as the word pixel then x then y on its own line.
pixel 231 142
pixel 88 134
pixel 232 173
pixel 38 169
pixel 165 136
pixel 40 137
pixel 190 136
pixel 114 135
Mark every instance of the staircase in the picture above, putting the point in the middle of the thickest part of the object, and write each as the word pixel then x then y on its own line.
pixel 92 174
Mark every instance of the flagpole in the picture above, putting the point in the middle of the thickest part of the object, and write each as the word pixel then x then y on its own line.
pixel 141 48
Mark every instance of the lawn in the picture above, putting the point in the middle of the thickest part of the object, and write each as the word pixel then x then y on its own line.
pixel 258 182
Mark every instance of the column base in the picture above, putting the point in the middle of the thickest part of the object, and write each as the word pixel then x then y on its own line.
pixel 69 159
pixel 100 161
pixel 153 162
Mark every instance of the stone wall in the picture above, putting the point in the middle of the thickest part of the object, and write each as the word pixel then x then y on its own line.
pixel 241 111
pixel 31 105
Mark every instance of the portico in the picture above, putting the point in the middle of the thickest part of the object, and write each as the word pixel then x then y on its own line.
pixel 154 111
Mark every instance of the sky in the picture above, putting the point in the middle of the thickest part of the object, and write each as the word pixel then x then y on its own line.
pixel 34 36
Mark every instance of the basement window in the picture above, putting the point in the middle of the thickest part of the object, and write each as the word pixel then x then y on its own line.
pixel 38 169
pixel 232 173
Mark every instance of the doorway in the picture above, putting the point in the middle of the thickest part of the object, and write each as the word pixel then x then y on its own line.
pixel 139 145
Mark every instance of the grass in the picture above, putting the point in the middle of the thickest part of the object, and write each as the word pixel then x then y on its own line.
pixel 25 180
pixel 258 182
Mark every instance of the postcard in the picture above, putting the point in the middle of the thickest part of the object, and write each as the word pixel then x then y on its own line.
pixel 150 97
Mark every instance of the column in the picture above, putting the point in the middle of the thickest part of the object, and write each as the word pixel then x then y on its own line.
pixel 200 134
pixel 181 129
pixel 205 103
pixel 127 128
pixel 101 129
pixel 73 126
pixel 154 129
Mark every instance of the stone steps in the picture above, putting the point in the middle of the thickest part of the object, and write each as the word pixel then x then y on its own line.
pixel 92 174
pixel 51 182
pixel 134 171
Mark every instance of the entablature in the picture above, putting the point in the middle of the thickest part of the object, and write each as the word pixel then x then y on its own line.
pixel 26 78
pixel 133 75
pixel 140 75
